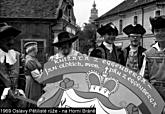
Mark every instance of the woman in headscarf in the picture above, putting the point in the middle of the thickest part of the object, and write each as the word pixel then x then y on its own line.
pixel 33 71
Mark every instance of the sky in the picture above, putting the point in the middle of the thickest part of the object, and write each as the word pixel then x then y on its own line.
pixel 82 8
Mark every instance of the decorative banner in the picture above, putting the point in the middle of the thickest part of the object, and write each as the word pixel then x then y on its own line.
pixel 84 81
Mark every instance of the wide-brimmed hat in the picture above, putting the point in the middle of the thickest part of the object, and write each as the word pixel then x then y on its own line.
pixel 134 29
pixel 7 30
pixel 63 38
pixel 157 22
pixel 108 28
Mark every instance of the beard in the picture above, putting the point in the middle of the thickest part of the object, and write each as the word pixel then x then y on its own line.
pixel 10 45
pixel 66 52
pixel 135 44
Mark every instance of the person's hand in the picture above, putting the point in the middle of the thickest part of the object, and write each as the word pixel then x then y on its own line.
pixel 5 93
pixel 163 111
pixel 132 109
pixel 21 92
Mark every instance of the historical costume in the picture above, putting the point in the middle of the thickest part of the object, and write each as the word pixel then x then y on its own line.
pixel 154 64
pixel 33 71
pixel 133 57
pixel 107 50
pixel 9 67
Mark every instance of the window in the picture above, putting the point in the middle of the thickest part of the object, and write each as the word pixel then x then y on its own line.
pixel 157 13
pixel 120 26
pixel 135 20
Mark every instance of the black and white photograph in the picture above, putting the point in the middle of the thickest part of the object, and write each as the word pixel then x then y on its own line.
pixel 82 56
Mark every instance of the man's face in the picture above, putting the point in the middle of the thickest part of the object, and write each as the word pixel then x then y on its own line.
pixel 65 49
pixel 160 34
pixel 135 39
pixel 109 38
pixel 9 41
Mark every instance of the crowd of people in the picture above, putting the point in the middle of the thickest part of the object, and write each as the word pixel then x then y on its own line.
pixel 150 63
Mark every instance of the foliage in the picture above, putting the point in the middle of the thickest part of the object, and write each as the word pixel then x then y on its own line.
pixel 87 38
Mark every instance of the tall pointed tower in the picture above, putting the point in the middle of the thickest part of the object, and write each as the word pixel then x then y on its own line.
pixel 94 13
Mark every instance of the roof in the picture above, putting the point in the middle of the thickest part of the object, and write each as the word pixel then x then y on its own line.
pixel 29 8
pixel 124 6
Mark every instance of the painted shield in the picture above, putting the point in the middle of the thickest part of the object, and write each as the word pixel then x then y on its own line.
pixel 84 81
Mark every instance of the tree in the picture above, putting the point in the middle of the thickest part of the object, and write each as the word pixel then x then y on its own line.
pixel 87 38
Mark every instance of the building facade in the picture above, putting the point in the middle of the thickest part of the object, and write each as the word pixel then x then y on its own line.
pixel 133 12
pixel 40 21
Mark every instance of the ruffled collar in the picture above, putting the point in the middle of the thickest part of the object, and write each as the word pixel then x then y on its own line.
pixel 60 55
pixel 72 53
pixel 10 57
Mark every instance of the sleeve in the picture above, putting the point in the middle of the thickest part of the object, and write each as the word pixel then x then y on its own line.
pixel 51 58
pixel 14 72
pixel 31 65
pixel 144 71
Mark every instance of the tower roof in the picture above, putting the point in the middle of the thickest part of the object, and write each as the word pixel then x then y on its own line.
pixel 94 13
pixel 94 4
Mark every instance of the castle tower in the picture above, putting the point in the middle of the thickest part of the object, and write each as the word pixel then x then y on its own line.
pixel 94 13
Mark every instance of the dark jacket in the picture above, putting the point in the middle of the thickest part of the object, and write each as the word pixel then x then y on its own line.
pixel 102 52
pixel 140 56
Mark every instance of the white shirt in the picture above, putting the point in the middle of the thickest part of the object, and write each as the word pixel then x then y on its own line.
pixel 108 46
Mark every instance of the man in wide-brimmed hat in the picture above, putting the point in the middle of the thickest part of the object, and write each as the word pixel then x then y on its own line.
pixel 9 67
pixel 107 50
pixel 64 44
pixel 133 57
pixel 154 64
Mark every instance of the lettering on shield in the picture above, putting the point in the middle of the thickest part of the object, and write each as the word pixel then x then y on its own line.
pixel 91 82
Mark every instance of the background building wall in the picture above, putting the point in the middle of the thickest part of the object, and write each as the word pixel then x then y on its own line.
pixel 143 14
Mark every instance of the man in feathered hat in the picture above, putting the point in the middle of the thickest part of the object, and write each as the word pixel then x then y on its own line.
pixel 9 67
pixel 133 57
pixel 154 63
pixel 107 50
